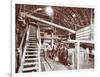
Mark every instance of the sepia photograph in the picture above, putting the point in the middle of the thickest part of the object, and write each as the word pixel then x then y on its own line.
pixel 53 38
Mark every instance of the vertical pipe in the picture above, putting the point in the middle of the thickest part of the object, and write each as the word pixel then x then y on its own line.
pixel 39 46
pixel 73 60
pixel 77 54
pixel 91 15
pixel 91 26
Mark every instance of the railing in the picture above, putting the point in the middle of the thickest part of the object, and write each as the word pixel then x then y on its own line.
pixel 20 49
pixel 39 46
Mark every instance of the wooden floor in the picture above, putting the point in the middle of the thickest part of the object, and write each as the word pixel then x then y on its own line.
pixel 51 65
pixel 89 65
pixel 48 64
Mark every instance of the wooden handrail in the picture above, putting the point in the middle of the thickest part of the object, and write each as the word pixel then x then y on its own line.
pixel 21 44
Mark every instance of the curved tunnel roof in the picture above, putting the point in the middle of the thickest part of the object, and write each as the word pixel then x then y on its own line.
pixel 70 17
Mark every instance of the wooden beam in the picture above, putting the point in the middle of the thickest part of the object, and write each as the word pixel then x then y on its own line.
pixel 81 41
pixel 50 23
pixel 77 52
pixel 39 24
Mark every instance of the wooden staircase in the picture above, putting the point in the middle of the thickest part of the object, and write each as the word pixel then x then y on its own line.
pixel 30 59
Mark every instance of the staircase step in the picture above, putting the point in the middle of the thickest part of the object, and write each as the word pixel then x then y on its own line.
pixel 28 43
pixel 32 43
pixel 29 49
pixel 26 66
pixel 31 46
pixel 32 63
pixel 31 32
pixel 34 35
pixel 28 57
pixel 32 39
pixel 31 59
pixel 32 52
pixel 32 55
pixel 30 71
pixel 30 68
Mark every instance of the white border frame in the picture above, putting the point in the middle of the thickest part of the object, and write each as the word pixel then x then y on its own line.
pixel 69 3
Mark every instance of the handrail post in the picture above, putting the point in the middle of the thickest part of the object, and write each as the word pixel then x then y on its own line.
pixel 21 45
pixel 20 54
pixel 77 55
pixel 39 46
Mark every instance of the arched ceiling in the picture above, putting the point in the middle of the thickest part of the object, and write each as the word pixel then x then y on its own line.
pixel 71 17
